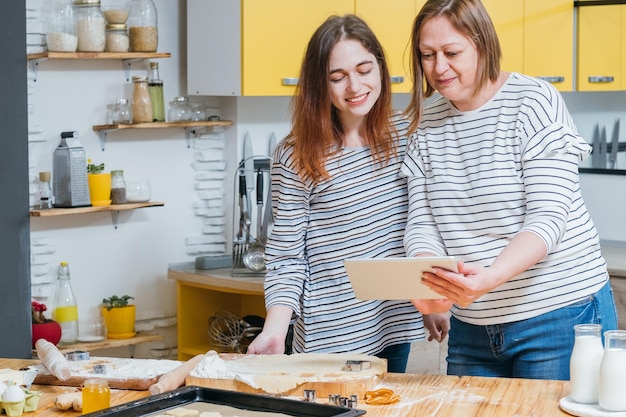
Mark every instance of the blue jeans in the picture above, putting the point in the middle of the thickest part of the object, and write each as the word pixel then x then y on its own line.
pixel 536 348
pixel 397 357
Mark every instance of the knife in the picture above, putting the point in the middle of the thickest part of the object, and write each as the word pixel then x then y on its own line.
pixel 602 155
pixel 268 217
pixel 595 150
pixel 248 167
pixel 614 145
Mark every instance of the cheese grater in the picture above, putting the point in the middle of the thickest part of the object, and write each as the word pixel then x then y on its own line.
pixel 69 173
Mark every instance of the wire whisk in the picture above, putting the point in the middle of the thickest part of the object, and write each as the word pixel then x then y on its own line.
pixel 229 333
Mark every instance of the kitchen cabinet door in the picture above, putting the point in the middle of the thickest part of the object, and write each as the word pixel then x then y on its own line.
pixel 508 19
pixel 549 41
pixel 392 23
pixel 251 47
pixel 599 48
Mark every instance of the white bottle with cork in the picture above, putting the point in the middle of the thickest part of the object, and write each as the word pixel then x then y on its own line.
pixel 65 309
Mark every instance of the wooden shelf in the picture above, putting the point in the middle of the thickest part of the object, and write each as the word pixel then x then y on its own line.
pixel 80 210
pixel 98 55
pixel 110 343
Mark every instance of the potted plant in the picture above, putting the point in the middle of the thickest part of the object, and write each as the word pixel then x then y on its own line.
pixel 99 184
pixel 119 316
pixel 43 327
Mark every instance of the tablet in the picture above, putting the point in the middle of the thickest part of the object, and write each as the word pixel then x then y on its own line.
pixel 394 278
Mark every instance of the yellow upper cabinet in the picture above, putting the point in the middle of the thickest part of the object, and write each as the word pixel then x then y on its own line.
pixel 549 41
pixel 392 23
pixel 508 19
pixel 251 47
pixel 599 48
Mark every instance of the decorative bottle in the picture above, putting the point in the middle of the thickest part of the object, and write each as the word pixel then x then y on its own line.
pixel 611 395
pixel 65 310
pixel 118 187
pixel 155 85
pixel 45 191
pixel 141 103
pixel 585 363
pixel 142 26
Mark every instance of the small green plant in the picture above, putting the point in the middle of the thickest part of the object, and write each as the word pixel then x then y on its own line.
pixel 93 168
pixel 115 302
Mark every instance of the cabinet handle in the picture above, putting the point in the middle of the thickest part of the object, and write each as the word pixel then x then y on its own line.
pixel 289 81
pixel 397 79
pixel 553 79
pixel 601 79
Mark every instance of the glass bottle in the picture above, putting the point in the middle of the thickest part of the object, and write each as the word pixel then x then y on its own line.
pixel 179 111
pixel 116 38
pixel 155 85
pixel 118 187
pixel 585 363
pixel 96 395
pixel 45 191
pixel 141 104
pixel 120 112
pixel 61 26
pixel 142 26
pixel 611 396
pixel 90 26
pixel 65 310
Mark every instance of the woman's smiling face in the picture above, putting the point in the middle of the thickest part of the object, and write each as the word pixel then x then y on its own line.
pixel 355 80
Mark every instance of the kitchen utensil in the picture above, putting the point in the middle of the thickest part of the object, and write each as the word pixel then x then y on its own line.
pixel 253 258
pixel 614 145
pixel 595 150
pixel 602 154
pixel 239 246
pixel 175 378
pixel 268 217
pixel 248 167
pixel 231 333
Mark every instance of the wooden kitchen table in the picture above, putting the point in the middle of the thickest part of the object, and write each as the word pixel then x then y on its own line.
pixel 422 395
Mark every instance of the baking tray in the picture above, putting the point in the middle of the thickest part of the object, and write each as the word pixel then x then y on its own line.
pixel 252 402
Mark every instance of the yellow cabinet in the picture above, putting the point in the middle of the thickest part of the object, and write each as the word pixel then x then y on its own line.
pixel 508 19
pixel 549 41
pixel 251 47
pixel 600 48
pixel 392 25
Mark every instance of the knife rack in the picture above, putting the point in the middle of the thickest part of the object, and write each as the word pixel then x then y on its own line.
pixel 243 240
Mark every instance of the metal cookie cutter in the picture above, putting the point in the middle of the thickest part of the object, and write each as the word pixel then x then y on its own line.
pixel 99 368
pixel 77 355
pixel 356 366
pixel 309 395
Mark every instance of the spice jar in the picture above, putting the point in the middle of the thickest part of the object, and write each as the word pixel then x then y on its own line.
pixel 142 26
pixel 141 104
pixel 120 112
pixel 179 110
pixel 96 395
pixel 61 26
pixel 116 38
pixel 118 187
pixel 45 191
pixel 90 26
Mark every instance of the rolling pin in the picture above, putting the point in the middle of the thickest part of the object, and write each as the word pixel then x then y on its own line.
pixel 53 359
pixel 176 377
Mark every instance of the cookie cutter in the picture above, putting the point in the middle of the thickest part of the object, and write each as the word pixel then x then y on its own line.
pixel 309 395
pixel 99 368
pixel 357 366
pixel 77 355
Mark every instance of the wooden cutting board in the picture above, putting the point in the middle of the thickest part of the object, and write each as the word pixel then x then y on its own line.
pixel 320 372
pixel 121 373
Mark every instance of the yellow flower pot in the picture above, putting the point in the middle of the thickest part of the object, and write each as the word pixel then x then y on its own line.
pixel 120 322
pixel 100 189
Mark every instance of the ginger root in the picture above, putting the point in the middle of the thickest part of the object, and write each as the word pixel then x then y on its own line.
pixel 73 400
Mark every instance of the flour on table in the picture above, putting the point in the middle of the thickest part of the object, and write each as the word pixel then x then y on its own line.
pixel 120 368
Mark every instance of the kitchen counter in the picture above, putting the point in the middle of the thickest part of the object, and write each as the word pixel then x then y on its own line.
pixel 421 395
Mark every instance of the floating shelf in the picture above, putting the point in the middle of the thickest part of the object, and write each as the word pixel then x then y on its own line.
pixel 114 209
pixel 190 127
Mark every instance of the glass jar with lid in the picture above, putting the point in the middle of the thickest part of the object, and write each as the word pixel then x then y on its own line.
pixel 90 26
pixel 141 104
pixel 118 187
pixel 60 26
pixel 120 111
pixel 115 11
pixel 180 110
pixel 116 38
pixel 142 26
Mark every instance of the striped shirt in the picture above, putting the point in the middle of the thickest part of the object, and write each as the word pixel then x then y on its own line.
pixel 478 178
pixel 359 212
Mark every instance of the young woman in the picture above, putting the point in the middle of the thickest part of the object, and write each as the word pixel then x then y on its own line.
pixel 337 193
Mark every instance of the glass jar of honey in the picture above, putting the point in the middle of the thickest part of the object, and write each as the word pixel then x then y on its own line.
pixel 96 395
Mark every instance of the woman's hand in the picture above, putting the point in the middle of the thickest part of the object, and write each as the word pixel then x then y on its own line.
pixel 437 325
pixel 271 341
pixel 463 287
pixel 434 306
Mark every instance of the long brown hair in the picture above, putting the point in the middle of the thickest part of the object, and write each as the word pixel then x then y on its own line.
pixel 470 18
pixel 316 131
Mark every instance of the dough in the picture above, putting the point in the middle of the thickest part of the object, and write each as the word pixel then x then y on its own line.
pixel 182 412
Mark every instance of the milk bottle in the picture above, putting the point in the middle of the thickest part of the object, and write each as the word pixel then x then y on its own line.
pixel 612 382
pixel 585 363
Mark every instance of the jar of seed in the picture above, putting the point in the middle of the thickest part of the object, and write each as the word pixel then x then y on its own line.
pixel 142 26
pixel 90 26
pixel 116 38
pixel 118 187
pixel 141 103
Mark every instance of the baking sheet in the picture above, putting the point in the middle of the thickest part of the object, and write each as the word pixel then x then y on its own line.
pixel 189 395
pixel 394 278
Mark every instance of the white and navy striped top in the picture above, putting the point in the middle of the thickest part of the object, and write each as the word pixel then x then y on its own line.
pixel 478 178
pixel 360 212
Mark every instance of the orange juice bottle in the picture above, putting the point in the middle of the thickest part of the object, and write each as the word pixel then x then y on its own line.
pixel 96 395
